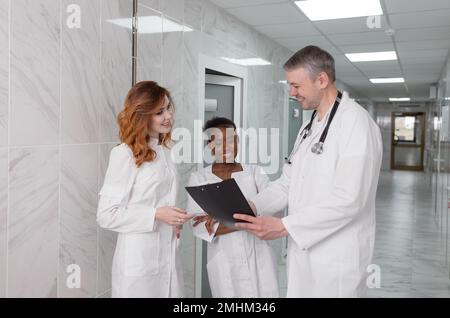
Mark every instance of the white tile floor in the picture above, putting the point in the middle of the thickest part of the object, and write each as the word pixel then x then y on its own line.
pixel 409 247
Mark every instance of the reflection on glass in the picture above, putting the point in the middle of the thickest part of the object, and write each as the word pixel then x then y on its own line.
pixel 405 129
pixel 436 123
pixel 444 123
pixel 152 24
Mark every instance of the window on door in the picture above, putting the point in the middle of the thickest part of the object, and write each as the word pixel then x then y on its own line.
pixel 408 130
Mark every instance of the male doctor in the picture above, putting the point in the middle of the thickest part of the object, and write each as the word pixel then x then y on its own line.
pixel 329 185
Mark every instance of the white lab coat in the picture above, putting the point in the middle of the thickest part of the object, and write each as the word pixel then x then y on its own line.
pixel 331 206
pixel 239 264
pixel 146 261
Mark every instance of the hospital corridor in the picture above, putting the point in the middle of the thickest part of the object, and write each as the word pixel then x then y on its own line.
pixel 224 149
pixel 409 245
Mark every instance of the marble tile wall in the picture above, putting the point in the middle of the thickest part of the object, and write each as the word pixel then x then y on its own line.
pixel 78 229
pixel 35 72
pixel 33 222
pixel 61 87
pixel 3 218
pixel 116 66
pixel 4 96
pixel 81 74
pixel 4 71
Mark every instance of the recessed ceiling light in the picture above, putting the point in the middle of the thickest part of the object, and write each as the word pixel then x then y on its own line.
pixel 152 24
pixel 399 99
pixel 255 61
pixel 317 10
pixel 387 80
pixel 372 56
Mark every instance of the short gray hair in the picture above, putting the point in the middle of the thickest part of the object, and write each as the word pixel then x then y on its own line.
pixel 314 60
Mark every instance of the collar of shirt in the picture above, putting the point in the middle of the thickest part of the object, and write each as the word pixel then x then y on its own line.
pixel 325 118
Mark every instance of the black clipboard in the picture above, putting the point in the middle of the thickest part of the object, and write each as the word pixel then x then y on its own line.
pixel 221 201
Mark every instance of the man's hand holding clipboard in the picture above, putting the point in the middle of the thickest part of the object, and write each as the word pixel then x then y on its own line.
pixel 264 227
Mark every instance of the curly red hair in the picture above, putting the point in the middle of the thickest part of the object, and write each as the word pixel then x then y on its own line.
pixel 142 101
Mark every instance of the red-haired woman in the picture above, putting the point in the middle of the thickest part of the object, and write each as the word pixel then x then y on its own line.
pixel 138 196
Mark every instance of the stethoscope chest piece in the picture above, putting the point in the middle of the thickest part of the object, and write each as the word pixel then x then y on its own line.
pixel 317 148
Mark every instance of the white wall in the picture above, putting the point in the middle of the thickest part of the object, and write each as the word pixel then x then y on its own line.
pixel 60 90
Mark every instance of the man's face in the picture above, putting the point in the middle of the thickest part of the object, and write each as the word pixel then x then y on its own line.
pixel 306 90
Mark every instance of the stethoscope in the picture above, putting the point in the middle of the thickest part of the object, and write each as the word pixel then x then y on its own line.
pixel 317 148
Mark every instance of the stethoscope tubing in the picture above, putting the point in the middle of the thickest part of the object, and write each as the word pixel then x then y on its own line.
pixel 317 148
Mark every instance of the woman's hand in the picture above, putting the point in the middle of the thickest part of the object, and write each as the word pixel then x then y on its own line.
pixel 210 225
pixel 199 219
pixel 209 222
pixel 172 215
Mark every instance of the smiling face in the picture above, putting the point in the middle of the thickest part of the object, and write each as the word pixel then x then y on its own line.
pixel 162 121
pixel 223 144
pixel 306 88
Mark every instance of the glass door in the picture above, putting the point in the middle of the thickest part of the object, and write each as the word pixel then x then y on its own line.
pixel 408 140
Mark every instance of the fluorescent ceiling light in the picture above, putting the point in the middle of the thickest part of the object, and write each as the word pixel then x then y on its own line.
pixel 152 24
pixel 317 10
pixel 372 56
pixel 387 80
pixel 282 82
pixel 248 61
pixel 399 99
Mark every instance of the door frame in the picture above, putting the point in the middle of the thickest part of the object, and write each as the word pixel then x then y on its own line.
pixel 395 145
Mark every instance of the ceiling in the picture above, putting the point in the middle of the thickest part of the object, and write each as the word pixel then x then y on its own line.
pixel 421 39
